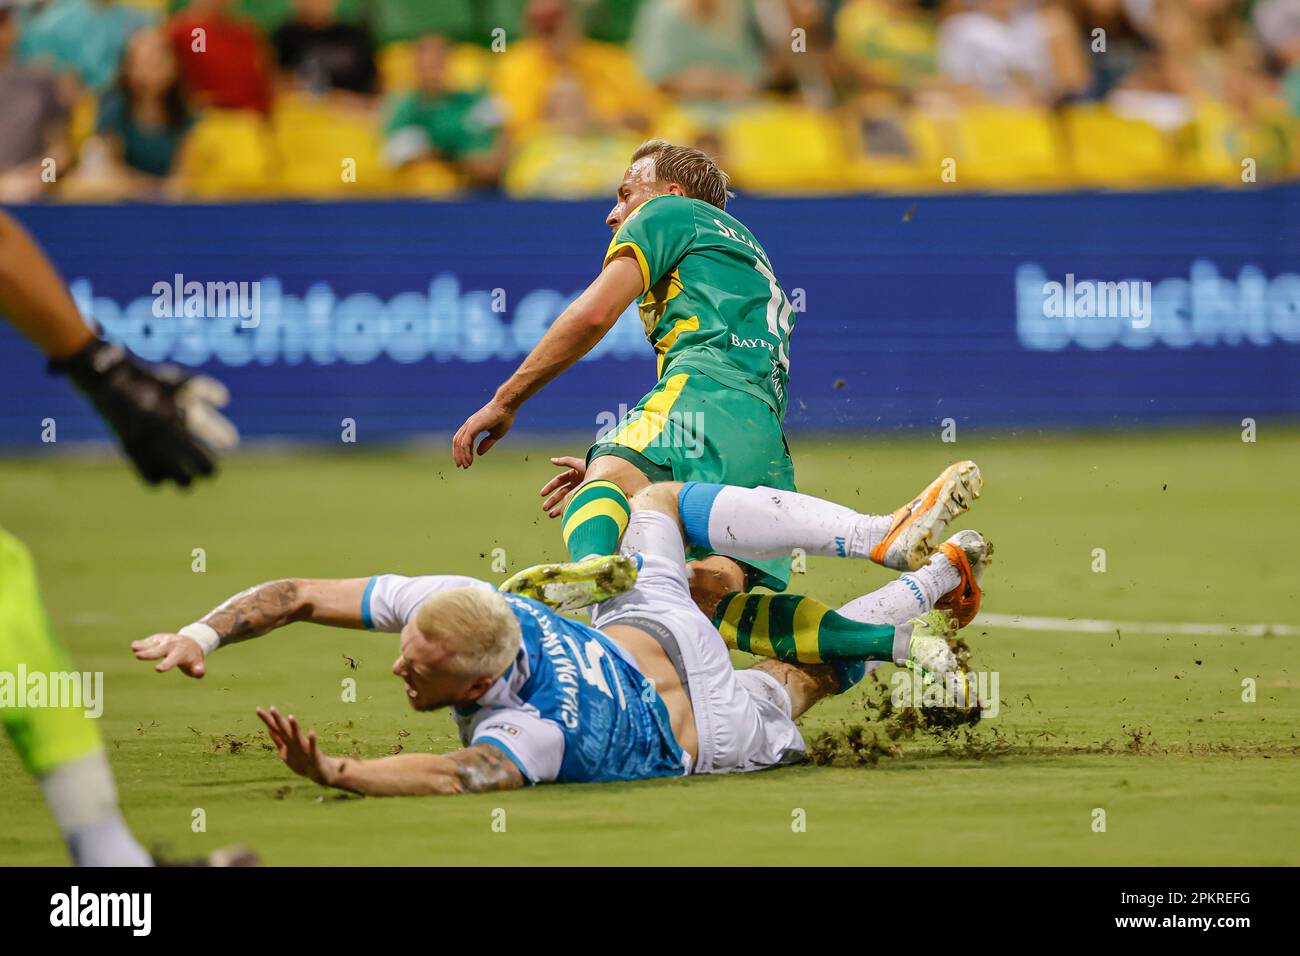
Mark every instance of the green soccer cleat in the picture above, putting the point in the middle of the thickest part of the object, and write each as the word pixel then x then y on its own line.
pixel 940 622
pixel 569 585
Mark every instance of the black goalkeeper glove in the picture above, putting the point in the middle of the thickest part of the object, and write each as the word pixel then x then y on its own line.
pixel 167 421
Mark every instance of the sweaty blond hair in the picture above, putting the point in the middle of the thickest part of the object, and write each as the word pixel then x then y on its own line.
pixel 474 627
pixel 690 168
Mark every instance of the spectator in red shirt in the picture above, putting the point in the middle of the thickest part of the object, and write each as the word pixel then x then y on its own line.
pixel 225 60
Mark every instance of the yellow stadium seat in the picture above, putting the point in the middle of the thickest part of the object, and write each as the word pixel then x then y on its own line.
pixel 918 168
pixel 1225 147
pixel 228 155
pixel 468 67
pixel 1106 149
pixel 396 63
pixel 781 147
pixel 326 151
pixel 1004 146
pixel 675 125
pixel 427 178
pixel 1210 155
pixel 554 165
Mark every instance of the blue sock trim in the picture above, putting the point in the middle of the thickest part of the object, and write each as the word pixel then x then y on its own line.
pixel 366 620
pixel 694 502
pixel 848 672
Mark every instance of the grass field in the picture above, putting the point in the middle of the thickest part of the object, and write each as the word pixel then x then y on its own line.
pixel 1196 527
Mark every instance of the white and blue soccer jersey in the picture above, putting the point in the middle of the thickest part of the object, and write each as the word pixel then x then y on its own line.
pixel 573 707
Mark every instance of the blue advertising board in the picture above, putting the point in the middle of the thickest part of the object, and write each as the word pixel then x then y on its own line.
pixel 1080 309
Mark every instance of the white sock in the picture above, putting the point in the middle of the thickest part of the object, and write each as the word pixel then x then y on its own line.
pixel 907 596
pixel 762 523
pixel 83 800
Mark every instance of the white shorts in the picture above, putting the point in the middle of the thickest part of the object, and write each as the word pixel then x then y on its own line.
pixel 742 718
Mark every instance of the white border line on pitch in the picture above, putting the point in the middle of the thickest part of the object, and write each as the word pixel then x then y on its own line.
pixel 1089 626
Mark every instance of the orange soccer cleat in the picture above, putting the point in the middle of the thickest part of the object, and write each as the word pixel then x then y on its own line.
pixel 970 554
pixel 910 540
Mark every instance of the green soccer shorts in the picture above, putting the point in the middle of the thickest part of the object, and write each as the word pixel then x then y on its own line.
pixel 691 428
pixel 45 737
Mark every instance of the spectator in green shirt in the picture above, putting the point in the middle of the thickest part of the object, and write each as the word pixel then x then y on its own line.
pixel 435 121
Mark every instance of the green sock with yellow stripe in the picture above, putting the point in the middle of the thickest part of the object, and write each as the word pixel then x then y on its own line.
pixel 594 519
pixel 799 630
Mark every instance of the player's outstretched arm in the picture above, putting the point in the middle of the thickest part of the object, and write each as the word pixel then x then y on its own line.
pixel 252 613
pixel 571 336
pixel 166 420
pixel 34 297
pixel 475 769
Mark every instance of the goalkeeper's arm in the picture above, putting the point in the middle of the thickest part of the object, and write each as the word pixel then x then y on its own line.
pixel 166 420
pixel 252 613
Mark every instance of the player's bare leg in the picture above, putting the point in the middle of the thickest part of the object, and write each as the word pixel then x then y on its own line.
pixel 806 684
pixel 712 579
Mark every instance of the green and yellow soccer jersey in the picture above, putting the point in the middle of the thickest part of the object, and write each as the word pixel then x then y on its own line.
pixel 710 301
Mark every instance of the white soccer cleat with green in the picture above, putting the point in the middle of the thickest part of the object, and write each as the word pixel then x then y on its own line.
pixel 569 585
pixel 931 659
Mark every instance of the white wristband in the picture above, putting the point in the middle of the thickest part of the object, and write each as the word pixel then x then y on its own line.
pixel 207 638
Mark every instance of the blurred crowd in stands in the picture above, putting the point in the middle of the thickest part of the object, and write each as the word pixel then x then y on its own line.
pixel 219 99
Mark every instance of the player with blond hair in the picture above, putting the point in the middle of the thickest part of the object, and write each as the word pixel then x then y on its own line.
pixel 646 690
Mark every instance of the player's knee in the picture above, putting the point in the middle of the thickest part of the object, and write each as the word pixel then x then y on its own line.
pixel 660 496
pixel 712 579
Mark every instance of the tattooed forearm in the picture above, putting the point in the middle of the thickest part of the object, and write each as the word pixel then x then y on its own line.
pixel 484 767
pixel 480 768
pixel 256 611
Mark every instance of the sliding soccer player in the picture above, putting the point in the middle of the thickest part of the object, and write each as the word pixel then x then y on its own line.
pixel 169 427
pixel 720 326
pixel 646 690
